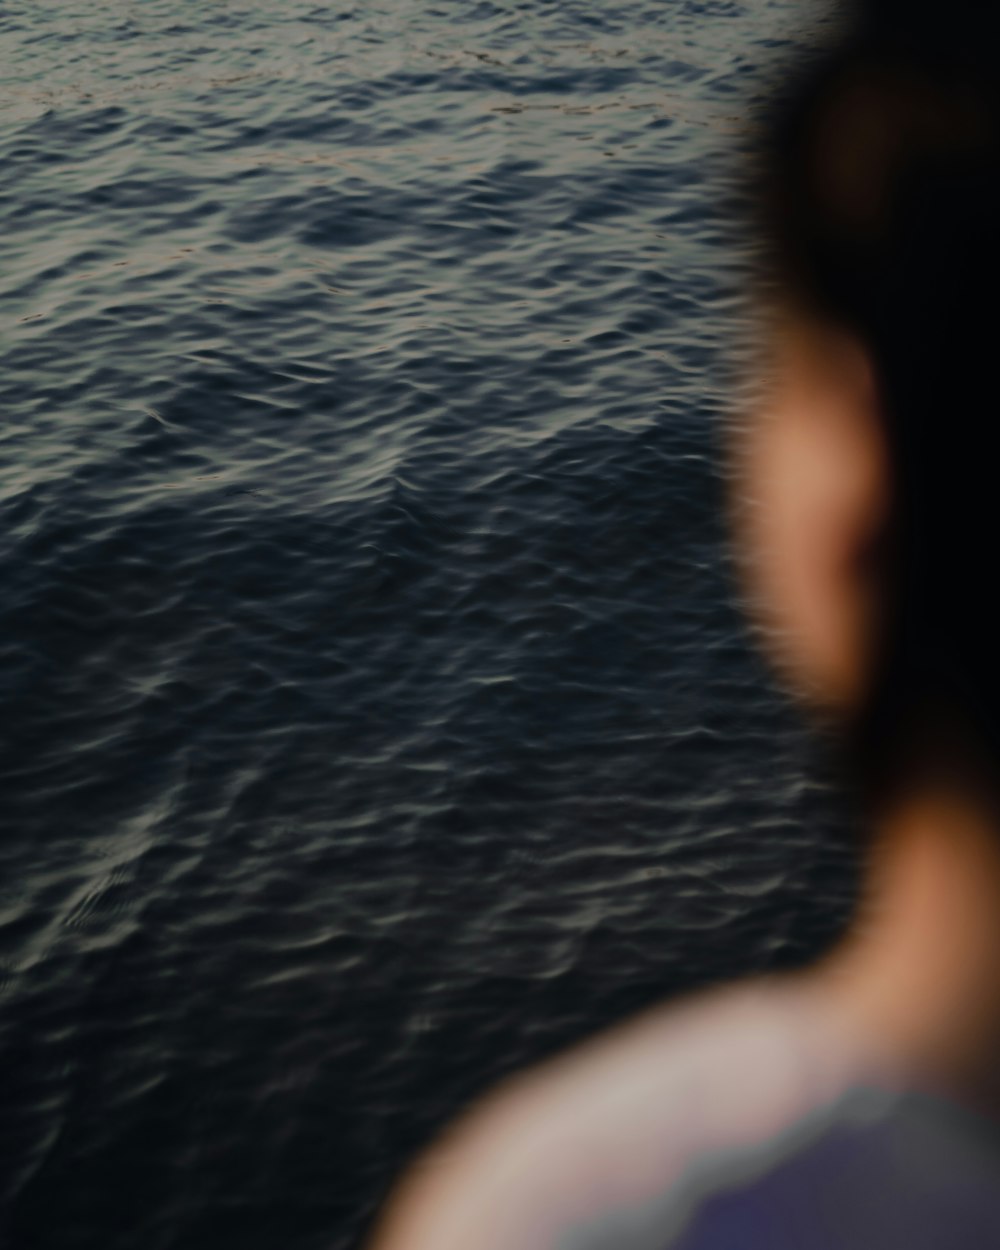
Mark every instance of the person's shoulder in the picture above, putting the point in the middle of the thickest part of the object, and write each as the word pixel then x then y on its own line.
pixel 618 1120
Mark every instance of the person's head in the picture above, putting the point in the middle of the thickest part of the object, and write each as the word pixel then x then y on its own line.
pixel 871 534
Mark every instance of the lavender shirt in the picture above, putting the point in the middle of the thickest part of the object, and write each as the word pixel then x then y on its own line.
pixel 911 1173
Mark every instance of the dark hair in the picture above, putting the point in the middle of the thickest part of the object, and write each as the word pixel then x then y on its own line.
pixel 879 199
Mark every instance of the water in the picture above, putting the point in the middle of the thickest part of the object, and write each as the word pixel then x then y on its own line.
pixel 378 716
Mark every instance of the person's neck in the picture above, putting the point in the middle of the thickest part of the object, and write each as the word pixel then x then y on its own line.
pixel 919 971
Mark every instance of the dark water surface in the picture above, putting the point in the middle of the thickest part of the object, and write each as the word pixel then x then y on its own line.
pixel 377 713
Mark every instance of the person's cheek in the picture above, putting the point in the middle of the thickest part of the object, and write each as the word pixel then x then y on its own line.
pixel 796 501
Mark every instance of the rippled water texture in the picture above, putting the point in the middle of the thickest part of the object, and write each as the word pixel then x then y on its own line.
pixel 377 713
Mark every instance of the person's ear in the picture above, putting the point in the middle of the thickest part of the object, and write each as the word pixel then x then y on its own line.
pixel 812 497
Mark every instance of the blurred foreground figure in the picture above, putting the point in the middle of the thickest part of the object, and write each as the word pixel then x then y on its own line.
pixel 854 1104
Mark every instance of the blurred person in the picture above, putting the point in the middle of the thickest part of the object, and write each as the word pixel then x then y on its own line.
pixel 856 1102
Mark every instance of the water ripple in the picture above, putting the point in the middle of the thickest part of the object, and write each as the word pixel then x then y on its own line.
pixel 378 715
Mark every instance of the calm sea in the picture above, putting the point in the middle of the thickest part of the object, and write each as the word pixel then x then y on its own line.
pixel 378 715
